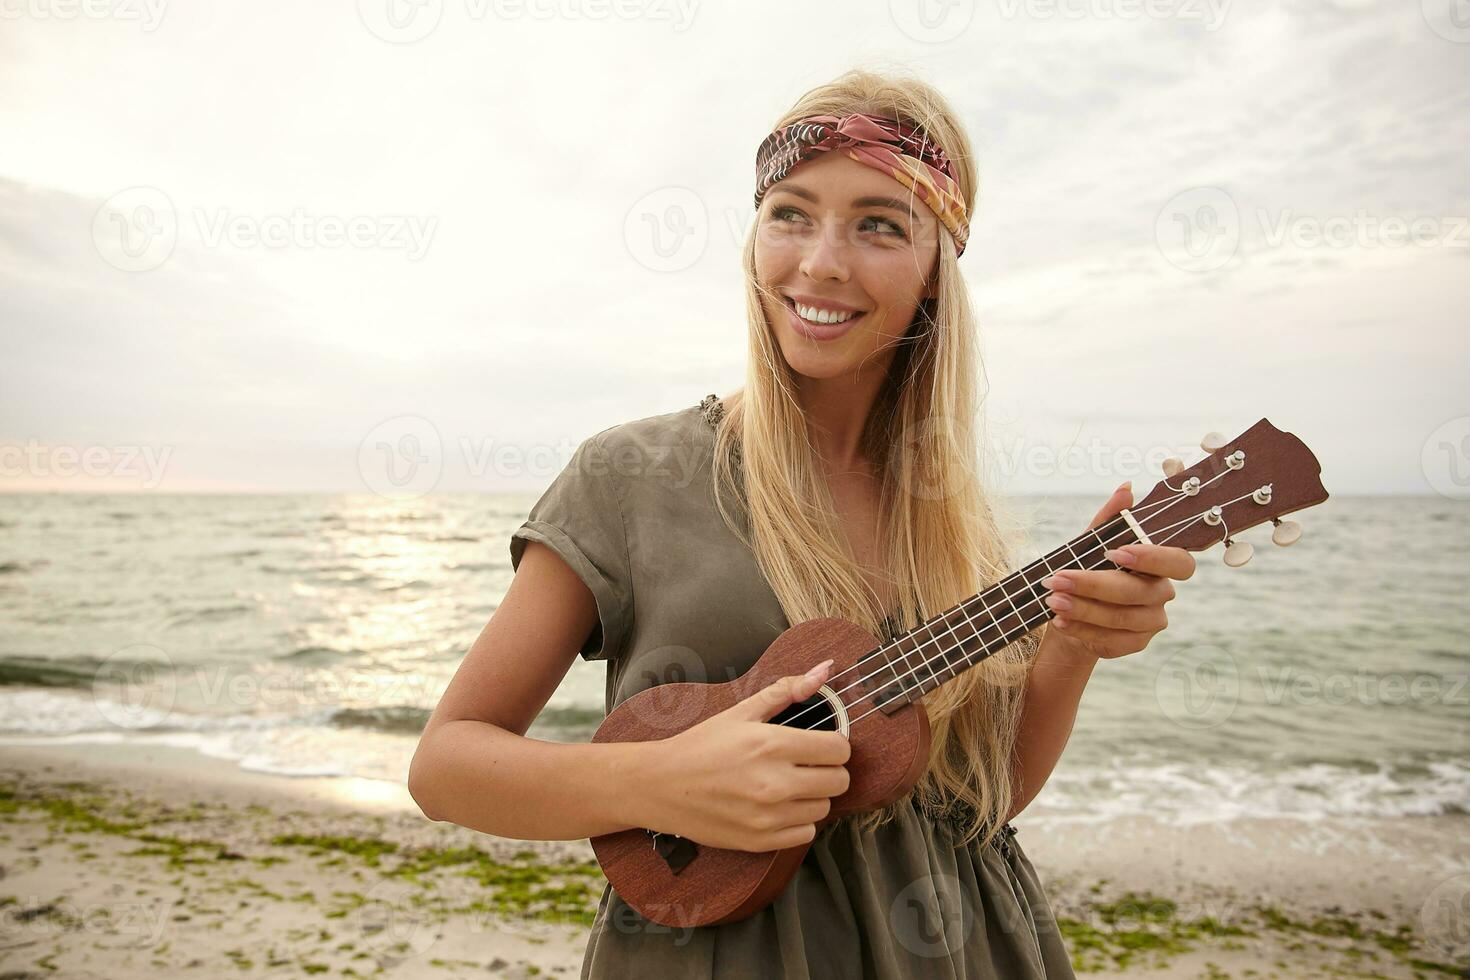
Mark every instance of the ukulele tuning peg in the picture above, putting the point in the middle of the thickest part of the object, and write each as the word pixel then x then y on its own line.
pixel 1173 465
pixel 1237 553
pixel 1285 532
pixel 1212 441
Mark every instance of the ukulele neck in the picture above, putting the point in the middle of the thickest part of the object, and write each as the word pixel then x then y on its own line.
pixel 940 649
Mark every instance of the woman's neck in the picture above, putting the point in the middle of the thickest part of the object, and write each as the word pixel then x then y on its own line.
pixel 837 412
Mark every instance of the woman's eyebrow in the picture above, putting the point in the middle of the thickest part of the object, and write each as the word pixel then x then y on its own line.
pixel 859 202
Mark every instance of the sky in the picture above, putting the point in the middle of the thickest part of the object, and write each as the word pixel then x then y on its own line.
pixel 277 247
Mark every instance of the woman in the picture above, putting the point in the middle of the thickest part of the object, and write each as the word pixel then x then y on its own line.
pixel 837 482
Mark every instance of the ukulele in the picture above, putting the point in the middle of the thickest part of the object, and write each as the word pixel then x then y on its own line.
pixel 873 690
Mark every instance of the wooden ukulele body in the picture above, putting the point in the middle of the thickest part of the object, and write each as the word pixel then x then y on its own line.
pixel 705 885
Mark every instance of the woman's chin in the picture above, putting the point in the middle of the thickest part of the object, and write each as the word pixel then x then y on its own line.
pixel 819 365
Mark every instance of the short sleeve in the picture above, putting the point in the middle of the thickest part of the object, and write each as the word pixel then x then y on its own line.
pixel 580 518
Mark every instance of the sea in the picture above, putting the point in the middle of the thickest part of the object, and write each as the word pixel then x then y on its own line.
pixel 311 635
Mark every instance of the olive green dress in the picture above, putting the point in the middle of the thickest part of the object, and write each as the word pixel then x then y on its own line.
pixel 680 598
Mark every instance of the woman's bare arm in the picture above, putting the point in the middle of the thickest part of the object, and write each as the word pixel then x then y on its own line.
pixel 475 767
pixel 1053 691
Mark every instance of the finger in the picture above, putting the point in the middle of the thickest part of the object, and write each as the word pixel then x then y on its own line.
pixel 1076 609
pixel 1153 559
pixel 792 837
pixel 1121 498
pixel 1114 643
pixel 814 781
pixel 781 694
pixel 1112 586
pixel 811 748
pixel 795 812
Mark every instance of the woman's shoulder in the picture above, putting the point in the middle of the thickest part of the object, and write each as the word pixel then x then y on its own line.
pixel 656 444
pixel 668 428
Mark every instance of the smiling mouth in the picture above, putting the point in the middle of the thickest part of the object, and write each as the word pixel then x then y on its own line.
pixel 791 305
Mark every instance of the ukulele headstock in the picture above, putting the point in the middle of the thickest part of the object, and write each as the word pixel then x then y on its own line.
pixel 1259 476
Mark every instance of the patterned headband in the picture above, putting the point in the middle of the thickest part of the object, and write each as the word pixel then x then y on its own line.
pixel 899 149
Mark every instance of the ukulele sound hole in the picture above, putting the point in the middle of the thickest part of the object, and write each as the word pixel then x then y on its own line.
pixel 822 712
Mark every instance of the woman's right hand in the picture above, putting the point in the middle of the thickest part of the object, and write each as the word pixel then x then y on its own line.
pixel 737 782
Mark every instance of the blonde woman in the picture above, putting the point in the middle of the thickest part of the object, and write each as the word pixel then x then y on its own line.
pixel 839 481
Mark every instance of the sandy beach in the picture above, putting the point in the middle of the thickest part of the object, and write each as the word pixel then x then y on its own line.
pixel 121 861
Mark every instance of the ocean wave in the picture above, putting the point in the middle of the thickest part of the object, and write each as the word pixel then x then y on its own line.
pixel 318 655
pixel 1179 793
pixel 76 672
pixel 416 583
pixel 1186 793
pixel 209 614
pixel 571 718
pixel 390 718
pixel 410 720
pixel 16 567
pixel 477 566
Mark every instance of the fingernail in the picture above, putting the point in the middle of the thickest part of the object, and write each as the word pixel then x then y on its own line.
pixel 816 671
pixel 1125 485
pixel 1058 583
pixel 1059 602
pixel 1060 623
pixel 1119 557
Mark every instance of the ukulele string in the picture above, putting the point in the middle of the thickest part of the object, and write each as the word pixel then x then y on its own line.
pixel 1156 508
pixel 1026 624
pixel 1178 528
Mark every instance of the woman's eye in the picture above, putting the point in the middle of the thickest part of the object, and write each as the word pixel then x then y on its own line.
pixel 781 212
pixel 897 228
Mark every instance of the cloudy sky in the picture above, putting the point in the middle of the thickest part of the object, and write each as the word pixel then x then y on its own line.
pixel 248 246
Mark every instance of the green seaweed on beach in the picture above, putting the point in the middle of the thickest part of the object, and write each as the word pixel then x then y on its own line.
pixel 370 849
pixel 1138 929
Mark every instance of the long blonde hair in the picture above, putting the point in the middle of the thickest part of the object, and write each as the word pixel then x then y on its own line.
pixel 939 532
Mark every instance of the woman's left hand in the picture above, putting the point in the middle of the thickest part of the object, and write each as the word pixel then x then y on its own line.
pixel 1110 613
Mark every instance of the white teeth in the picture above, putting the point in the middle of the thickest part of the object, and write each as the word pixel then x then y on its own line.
pixel 821 316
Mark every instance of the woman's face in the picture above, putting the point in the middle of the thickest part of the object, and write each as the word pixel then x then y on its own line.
pixel 822 242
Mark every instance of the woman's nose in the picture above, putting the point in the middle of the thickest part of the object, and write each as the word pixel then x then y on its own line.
pixel 826 255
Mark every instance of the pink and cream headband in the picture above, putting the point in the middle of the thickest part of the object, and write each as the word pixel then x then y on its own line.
pixel 897 148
